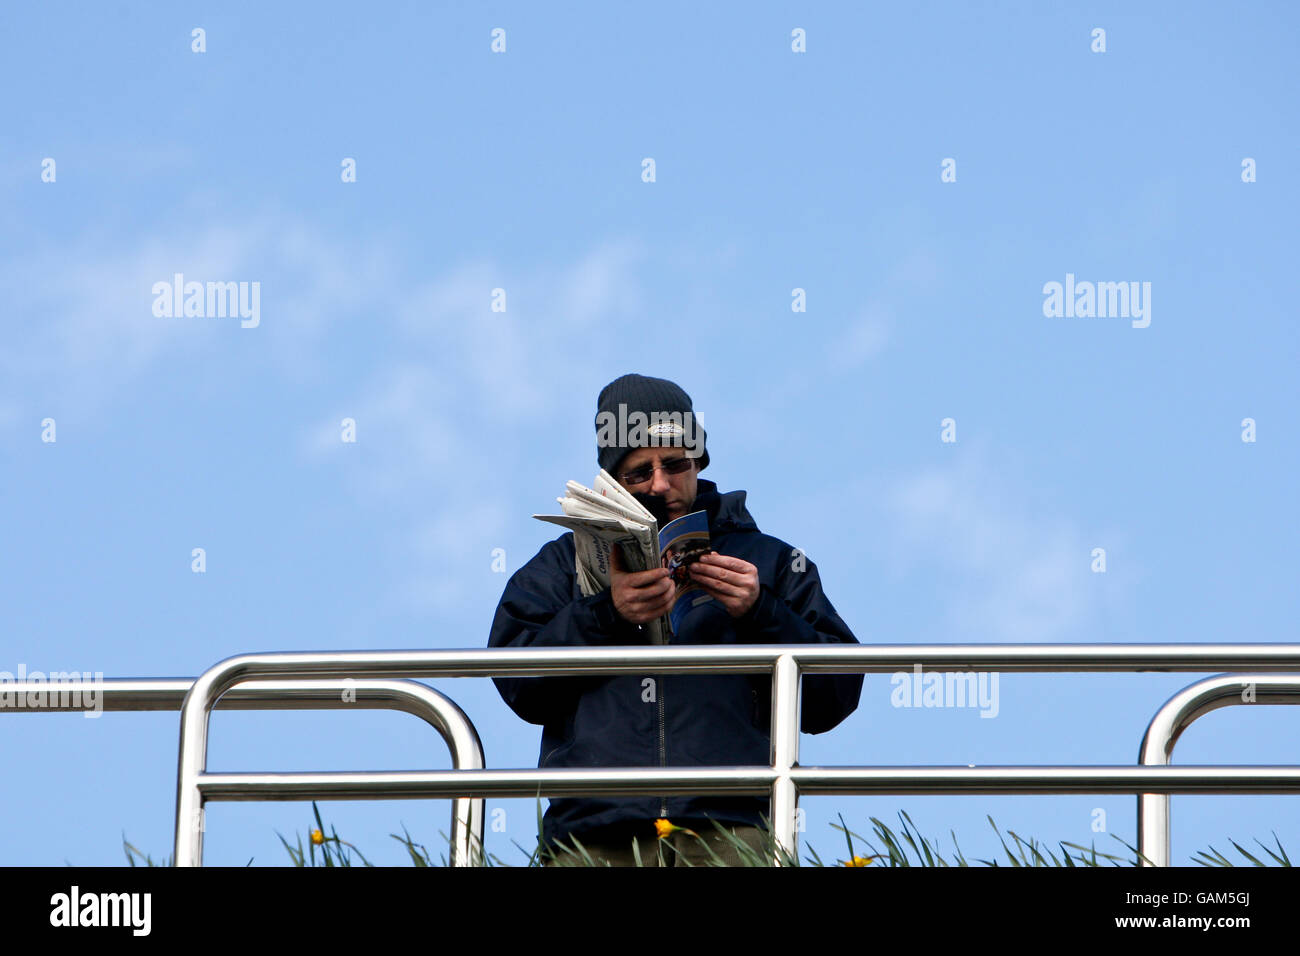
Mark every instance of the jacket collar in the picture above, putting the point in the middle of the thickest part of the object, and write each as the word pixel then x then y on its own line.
pixel 727 511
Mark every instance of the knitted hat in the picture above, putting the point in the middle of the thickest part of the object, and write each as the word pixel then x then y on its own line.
pixel 635 411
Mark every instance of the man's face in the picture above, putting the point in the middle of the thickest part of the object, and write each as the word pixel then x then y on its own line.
pixel 678 491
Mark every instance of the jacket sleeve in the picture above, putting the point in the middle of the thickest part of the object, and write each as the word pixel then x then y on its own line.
pixel 538 609
pixel 796 611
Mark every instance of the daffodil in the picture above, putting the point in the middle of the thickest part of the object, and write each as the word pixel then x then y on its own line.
pixel 317 837
pixel 858 861
pixel 665 829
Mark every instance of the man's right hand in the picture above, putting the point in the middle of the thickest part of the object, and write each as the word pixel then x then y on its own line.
pixel 639 596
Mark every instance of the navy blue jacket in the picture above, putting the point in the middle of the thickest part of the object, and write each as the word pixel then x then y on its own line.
pixel 678 720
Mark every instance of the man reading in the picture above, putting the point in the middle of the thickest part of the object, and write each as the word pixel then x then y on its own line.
pixel 760 590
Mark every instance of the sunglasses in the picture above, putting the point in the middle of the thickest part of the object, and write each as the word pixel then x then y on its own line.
pixel 674 466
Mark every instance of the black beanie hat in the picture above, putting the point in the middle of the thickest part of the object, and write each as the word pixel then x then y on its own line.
pixel 665 418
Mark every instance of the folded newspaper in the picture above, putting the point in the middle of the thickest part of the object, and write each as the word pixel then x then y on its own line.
pixel 606 516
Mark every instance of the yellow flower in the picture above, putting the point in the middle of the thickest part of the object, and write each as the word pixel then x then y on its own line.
pixel 664 829
pixel 317 837
pixel 858 861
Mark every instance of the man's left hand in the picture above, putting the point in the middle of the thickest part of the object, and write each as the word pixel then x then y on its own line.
pixel 731 581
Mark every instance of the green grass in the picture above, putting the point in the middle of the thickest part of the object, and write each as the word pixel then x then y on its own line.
pixel 884 847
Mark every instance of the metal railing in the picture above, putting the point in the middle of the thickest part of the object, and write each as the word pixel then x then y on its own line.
pixel 1188 705
pixel 408 696
pixel 783 780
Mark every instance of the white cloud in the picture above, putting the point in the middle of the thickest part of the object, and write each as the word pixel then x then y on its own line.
pixel 601 289
pixel 82 316
pixel 558 326
pixel 470 382
pixel 1001 571
pixel 447 556
pixel 403 431
pixel 447 386
pixel 10 415
pixel 863 339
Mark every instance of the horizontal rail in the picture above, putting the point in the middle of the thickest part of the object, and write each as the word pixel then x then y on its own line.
pixel 1038 779
pixel 755 781
pixel 131 694
pixel 759 659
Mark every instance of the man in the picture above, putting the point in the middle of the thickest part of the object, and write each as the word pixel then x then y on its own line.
pixel 764 592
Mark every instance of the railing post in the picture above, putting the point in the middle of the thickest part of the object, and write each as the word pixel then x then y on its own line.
pixel 193 758
pixel 785 755
pixel 438 710
pixel 1177 714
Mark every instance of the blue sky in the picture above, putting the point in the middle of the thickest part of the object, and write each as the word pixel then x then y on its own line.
pixel 522 170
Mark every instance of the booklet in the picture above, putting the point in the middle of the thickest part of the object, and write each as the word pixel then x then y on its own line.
pixel 683 542
pixel 606 516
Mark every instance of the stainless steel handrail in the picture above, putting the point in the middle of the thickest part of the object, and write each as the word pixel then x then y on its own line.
pixel 412 697
pixel 782 779
pixel 1178 713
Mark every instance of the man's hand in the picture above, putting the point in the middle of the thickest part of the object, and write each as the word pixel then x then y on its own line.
pixel 639 596
pixel 731 581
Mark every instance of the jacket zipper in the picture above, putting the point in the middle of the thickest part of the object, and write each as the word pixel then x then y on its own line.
pixel 663 747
